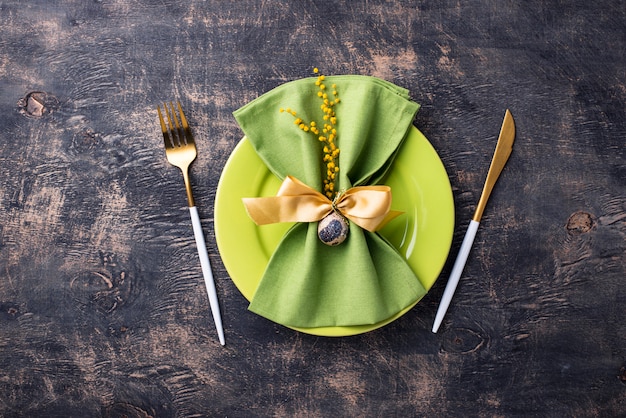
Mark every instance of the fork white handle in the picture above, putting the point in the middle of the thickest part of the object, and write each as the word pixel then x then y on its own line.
pixel 206 272
pixel 455 275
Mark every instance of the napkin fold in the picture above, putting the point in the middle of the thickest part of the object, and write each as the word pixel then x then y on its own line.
pixel 363 281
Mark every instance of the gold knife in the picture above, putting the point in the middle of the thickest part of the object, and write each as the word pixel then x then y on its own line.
pixel 500 157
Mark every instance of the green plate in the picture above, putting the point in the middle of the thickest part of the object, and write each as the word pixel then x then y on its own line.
pixel 423 235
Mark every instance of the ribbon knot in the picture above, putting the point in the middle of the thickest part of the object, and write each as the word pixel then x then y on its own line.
pixel 366 206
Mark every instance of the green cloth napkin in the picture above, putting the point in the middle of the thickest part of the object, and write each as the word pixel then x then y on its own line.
pixel 364 280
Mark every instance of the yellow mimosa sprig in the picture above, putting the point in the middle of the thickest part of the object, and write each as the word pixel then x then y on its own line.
pixel 327 134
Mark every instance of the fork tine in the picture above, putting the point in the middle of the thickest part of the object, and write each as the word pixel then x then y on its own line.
pixel 179 130
pixel 186 129
pixel 177 140
pixel 166 134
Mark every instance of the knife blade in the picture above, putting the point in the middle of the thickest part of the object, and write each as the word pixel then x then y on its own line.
pixel 504 147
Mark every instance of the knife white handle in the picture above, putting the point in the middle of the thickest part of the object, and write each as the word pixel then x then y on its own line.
pixel 455 275
pixel 206 272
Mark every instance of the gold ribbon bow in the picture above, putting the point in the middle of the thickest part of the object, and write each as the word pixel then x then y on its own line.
pixel 366 206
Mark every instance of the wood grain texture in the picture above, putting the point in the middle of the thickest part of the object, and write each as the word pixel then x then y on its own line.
pixel 102 306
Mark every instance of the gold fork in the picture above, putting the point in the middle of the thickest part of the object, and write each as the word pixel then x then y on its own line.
pixel 180 150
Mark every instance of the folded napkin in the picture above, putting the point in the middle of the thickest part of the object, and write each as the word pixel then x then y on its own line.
pixel 364 280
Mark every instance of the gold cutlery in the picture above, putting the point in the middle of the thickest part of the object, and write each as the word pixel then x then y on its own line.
pixel 180 150
pixel 500 157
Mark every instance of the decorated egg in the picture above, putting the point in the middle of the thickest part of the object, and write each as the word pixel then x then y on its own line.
pixel 333 229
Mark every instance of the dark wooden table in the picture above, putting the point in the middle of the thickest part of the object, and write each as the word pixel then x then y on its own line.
pixel 102 306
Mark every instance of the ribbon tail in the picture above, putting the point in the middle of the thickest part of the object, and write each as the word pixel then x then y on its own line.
pixel 374 224
pixel 393 214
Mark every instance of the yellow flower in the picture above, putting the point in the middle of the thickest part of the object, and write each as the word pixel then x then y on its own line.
pixel 329 137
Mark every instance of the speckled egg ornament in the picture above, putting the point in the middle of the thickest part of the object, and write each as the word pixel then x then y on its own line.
pixel 333 229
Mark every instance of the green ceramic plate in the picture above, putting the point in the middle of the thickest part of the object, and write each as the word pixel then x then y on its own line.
pixel 420 188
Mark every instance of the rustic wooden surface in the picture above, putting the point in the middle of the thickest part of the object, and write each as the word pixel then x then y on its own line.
pixel 102 306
